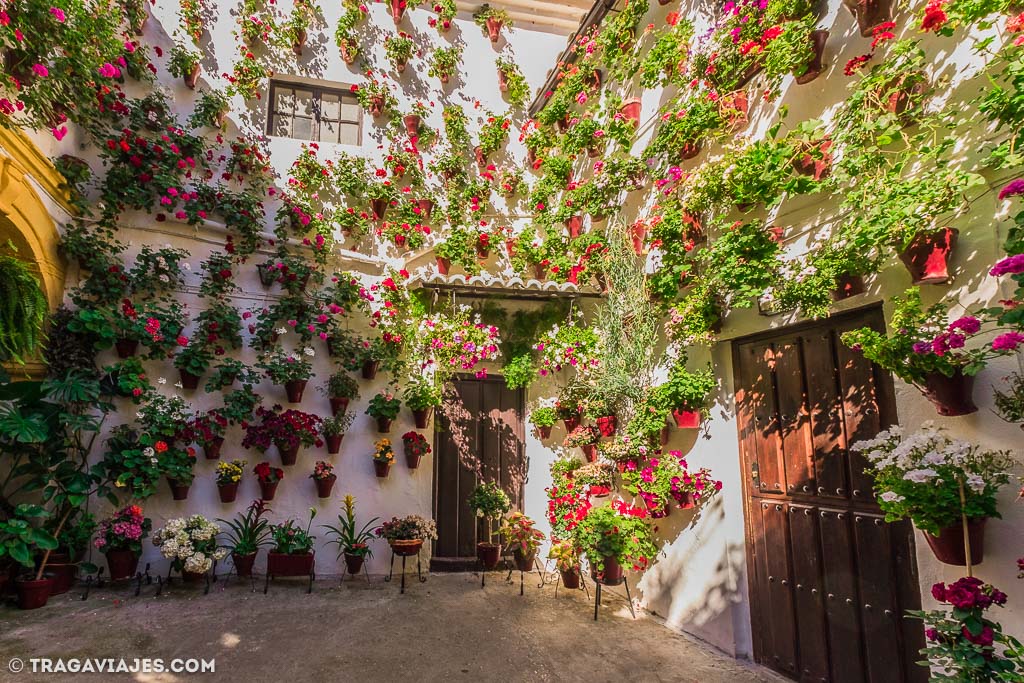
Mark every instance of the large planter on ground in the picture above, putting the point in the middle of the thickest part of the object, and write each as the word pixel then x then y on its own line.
pixel 606 425
pixel 570 578
pixel 243 563
pixel 123 564
pixel 338 404
pixel 228 492
pixel 951 396
pixel 324 486
pixel 188 380
pixel 687 419
pixel 268 489
pixel 422 417
pixel 927 256
pixel 524 561
pixel 948 546
pixel 381 468
pixel 294 388
pixel 212 449
pixel 179 491
pixel 612 574
pixel 333 443
pixel 288 455
pixel 62 572
pixel 33 594
pixel 489 554
pixel 353 563
pixel 370 369
pixel 406 547
pixel 282 564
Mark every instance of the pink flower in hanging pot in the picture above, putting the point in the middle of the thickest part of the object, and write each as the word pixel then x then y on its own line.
pixel 1012 189
pixel 1009 265
pixel 1008 341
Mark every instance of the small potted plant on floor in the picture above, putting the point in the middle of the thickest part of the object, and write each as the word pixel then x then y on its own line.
pixel 945 486
pixel 615 537
pixel 292 554
pixel 567 561
pixel 383 458
pixel 249 532
pixel 688 393
pixel 190 543
pixel 422 395
pixel 352 541
pixel 584 437
pixel 490 503
pixel 523 539
pixel 543 418
pixel 406 535
pixel 384 407
pixel 268 478
pixel 324 477
pixel 19 538
pixel 229 475
pixel 288 369
pixel 416 446
pixel 334 429
pixel 120 538
pixel 341 388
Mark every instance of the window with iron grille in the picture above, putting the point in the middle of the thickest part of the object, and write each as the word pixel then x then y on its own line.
pixel 308 112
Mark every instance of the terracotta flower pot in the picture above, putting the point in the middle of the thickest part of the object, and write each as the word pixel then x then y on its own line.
pixel 817 64
pixel 192 77
pixel 927 256
pixel 869 13
pixel 590 452
pixel 540 271
pixel 126 348
pixel 324 486
pixel 353 563
pixel 494 29
pixel 339 404
pixel 575 226
pixel 544 432
pixel 638 235
pixel 607 425
pixel 189 381
pixel 818 165
pixel 333 443
pixel 951 396
pixel 664 434
pixel 299 42
pixel 502 81
pixel 687 419
pixel 294 388
pixel 381 469
pixel 689 150
pixel 406 547
pixel 62 573
pixel 282 564
pixel 847 286
pixel 948 546
pixel 412 460
pixel 243 563
pixel 397 10
pixel 228 492
pixel 268 489
pixel 570 578
pixel 379 208
pixel 376 105
pixel 612 574
pixel 630 110
pixel 443 265
pixel 685 501
pixel 33 594
pixel 266 273
pixel 122 564
pixel 212 449
pixel 524 561
pixel 400 66
pixel 481 159
pixel 571 423
pixel 482 252
pixel 289 454
pixel 412 124
pixel 426 207
pixel 370 369
pixel 179 491
pixel 348 55
pixel 193 577
pixel 422 417
pixel 489 554
pixel 384 425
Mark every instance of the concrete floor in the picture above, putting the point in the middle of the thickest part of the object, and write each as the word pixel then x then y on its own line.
pixel 447 629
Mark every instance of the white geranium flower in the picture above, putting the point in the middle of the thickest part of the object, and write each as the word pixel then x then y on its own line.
pixel 186 265
pixel 148 451
pixel 161 380
pixel 891 497
pixel 281 330
pixel 309 351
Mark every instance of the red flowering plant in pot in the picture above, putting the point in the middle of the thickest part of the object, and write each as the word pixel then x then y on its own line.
pixel 120 537
pixel 207 430
pixel 292 551
pixel 268 478
pixel 415 446
pixel 524 540
pixel 178 465
pixel 489 502
pixel 924 350
pixel 351 539
pixel 492 20
pixel 947 487
pixel 962 642
pixel 286 429
pixel 586 438
pixel 324 477
pixel 688 393
pixel 594 479
pixel 247 533
pixel 292 370
pixel 602 412
pixel 334 428
pixel 614 538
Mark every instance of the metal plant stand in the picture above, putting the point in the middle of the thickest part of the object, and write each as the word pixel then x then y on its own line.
pixel 366 573
pixel 391 571
pixel 522 574
pixel 597 598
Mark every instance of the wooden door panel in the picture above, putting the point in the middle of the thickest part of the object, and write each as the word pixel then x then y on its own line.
pixel 794 425
pixel 860 412
pixel 878 600
pixel 826 408
pixel 809 597
pixel 763 425
pixel 842 599
pixel 781 619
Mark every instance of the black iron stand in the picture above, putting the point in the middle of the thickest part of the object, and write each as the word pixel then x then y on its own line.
pixel 597 600
pixel 391 571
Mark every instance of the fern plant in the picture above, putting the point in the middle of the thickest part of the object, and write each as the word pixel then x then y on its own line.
pixel 23 308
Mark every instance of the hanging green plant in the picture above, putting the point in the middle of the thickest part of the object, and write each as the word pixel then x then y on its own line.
pixel 23 308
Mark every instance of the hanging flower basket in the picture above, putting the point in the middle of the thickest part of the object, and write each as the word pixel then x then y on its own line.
pixel 289 454
pixel 339 404
pixel 381 469
pixel 422 417
pixel 243 563
pixel 948 546
pixel 370 368
pixel 927 256
pixel 333 442
pixel 268 489
pixel 489 554
pixel 869 13
pixel 607 425
pixel 687 419
pixel 122 564
pixel 951 396
pixel 818 165
pixel 412 124
pixel 228 492
pixel 324 486
pixel 294 388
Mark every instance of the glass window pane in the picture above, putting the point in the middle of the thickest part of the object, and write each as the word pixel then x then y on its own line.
pixel 329 131
pixel 349 134
pixel 304 103
pixel 302 128
pixel 349 109
pixel 330 106
pixel 284 100
pixel 282 126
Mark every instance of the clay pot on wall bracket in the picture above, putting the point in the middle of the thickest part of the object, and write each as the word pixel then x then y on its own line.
pixel 370 368
pixel 381 468
pixel 735 107
pixel 687 419
pixel 575 226
pixel 299 43
pixel 817 64
pixel 951 396
pixel 228 492
pixel 443 265
pixel 606 425
pixel 122 564
pixel 488 554
pixel 544 432
pixel 426 207
pixel 847 286
pixel 379 207
pixel 948 546
pixel 571 423
pixel 412 460
pixel 324 486
pixel 268 489
pixel 400 66
pixel 348 55
pixel 289 454
pixel 384 425
pixel 540 271
pixel 243 563
pixel 898 97
pixel 126 348
pixel 412 124
pixel 422 417
pixel 689 150
pixel 339 404
pixel 398 10
pixel 815 160
pixel 189 382
pixel 869 13
pixel 376 105
pixel 630 110
pixel 927 256
pixel 502 81
pixel 333 442
pixel 494 29
pixel 481 158
pixel 638 235
pixel 657 511
pixel 294 388
pixel 179 491
pixel 192 77
pixel 590 452
pixel 33 594
pixel 212 450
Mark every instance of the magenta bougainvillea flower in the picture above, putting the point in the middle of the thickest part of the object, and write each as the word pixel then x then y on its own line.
pixel 1013 188
pixel 1008 266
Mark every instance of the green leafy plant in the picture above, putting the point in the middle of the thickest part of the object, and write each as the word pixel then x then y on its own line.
pixel 489 502
pixel 291 539
pixel 421 393
pixel 347 535
pixel 543 416
pixel 517 89
pixel 444 62
pixel 23 308
pixel 399 49
pixel 248 531
pixel 20 537
pixel 384 405
pixel 182 61
pixel 607 532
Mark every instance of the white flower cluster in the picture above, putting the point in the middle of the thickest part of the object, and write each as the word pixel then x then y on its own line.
pixel 190 543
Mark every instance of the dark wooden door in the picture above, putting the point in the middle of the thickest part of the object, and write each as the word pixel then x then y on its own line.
pixel 830 581
pixel 479 438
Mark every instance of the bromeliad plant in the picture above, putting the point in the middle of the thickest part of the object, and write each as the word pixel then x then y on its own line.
pixel 351 539
pixel 248 531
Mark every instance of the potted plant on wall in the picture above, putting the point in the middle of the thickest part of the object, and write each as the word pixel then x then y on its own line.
pixel 178 466
pixel 523 539
pixel 192 362
pixel 399 49
pixel 384 407
pixel 615 537
pixel 184 64
pixel 567 561
pixel 341 388
pixel 352 541
pixel 288 369
pixel 324 477
pixel 491 20
pixel 444 63
pixel 446 11
pixel 584 437
pixel 286 429
pixel 268 478
pixel 229 475
pixel 543 418
pixel 511 81
pixel 406 535
pixel 334 428
pixel 415 446
pixel 688 393
pixel 925 351
pixel 383 458
pixel 943 485
pixel 292 554
pixel 190 543
pixel 119 537
pixel 248 532
pixel 490 503
pixel 422 395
